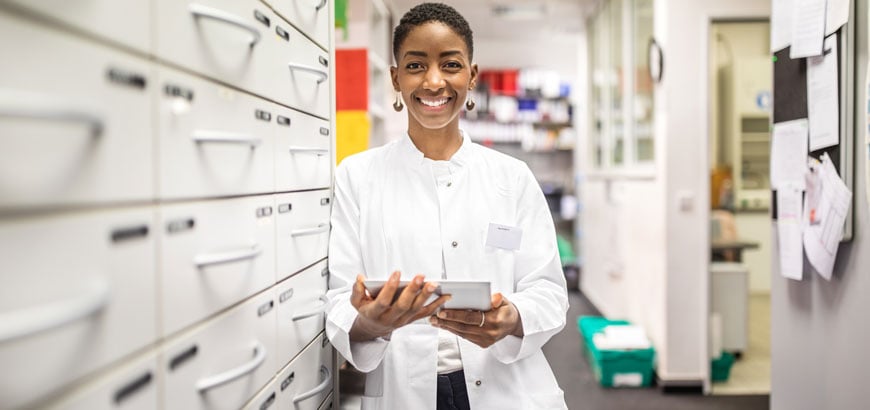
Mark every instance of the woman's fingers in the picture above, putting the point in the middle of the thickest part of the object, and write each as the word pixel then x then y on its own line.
pixel 358 293
pixel 468 317
pixel 407 297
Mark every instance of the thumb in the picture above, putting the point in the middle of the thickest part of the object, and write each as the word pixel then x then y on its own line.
pixel 497 300
pixel 358 293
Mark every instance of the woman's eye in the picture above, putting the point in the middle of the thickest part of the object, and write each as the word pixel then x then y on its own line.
pixel 453 65
pixel 414 66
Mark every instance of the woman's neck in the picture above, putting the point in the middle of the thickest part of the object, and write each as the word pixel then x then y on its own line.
pixel 438 145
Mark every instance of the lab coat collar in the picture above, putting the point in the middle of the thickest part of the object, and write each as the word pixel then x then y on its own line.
pixel 460 158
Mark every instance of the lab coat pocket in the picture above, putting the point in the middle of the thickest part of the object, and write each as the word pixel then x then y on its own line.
pixel 550 401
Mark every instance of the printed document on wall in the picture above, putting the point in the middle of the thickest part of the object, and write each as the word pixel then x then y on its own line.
pixel 788 229
pixel 822 99
pixel 837 15
pixel 781 12
pixel 788 153
pixel 807 28
pixel 822 235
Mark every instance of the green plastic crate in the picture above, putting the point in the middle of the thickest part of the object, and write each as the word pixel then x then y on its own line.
pixel 720 368
pixel 615 368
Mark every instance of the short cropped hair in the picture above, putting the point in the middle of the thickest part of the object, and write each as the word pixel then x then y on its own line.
pixel 427 12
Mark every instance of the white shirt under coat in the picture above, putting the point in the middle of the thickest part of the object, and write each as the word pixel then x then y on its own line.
pixel 391 214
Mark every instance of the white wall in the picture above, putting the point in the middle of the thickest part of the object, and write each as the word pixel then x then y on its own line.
pixel 560 54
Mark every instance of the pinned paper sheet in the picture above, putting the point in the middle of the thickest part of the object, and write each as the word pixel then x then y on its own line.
pixel 788 154
pixel 807 28
pixel 823 101
pixel 837 15
pixel 822 236
pixel 781 12
pixel 788 229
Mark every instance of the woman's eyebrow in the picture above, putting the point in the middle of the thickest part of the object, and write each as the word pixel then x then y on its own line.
pixel 423 53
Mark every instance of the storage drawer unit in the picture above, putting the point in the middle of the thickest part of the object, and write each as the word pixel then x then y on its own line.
pixel 213 254
pixel 224 362
pixel 131 386
pixel 213 140
pixel 301 303
pixel 74 133
pixel 309 16
pixel 143 148
pixel 108 19
pixel 303 230
pixel 302 152
pixel 79 291
pixel 308 379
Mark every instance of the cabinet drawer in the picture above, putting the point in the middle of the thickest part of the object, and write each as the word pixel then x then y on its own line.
pixel 223 363
pixel 226 40
pixel 308 379
pixel 301 303
pixel 78 293
pixel 266 399
pixel 302 230
pixel 301 78
pixel 213 140
pixel 132 386
pixel 213 254
pixel 328 404
pixel 75 120
pixel 109 19
pixel 309 16
pixel 302 153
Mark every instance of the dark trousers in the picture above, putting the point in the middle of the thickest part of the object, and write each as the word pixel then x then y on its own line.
pixel 452 392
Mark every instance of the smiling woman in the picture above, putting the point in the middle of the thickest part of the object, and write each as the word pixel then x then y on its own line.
pixel 435 206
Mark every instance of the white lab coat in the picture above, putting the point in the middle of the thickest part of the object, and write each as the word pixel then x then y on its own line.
pixel 390 214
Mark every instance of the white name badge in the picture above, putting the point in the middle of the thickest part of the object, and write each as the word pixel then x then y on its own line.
pixel 504 237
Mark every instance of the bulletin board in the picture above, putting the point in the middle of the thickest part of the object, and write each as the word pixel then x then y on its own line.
pixel 790 103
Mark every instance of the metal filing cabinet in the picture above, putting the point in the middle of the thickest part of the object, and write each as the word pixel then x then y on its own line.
pixel 165 189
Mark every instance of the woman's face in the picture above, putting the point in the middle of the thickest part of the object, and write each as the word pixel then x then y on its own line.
pixel 434 74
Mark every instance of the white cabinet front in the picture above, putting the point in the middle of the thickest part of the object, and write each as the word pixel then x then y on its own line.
pixel 225 362
pixel 213 254
pixel 303 230
pixel 309 16
pixel 307 380
pixel 131 386
pixel 213 140
pixel 108 19
pixel 226 40
pixel 75 120
pixel 301 304
pixel 302 76
pixel 79 292
pixel 302 152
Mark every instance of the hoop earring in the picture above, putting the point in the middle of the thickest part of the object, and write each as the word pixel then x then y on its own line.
pixel 398 105
pixel 469 102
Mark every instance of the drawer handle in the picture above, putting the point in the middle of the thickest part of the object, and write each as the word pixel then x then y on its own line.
pixel 210 259
pixel 204 136
pixel 317 311
pixel 320 388
pixel 34 320
pixel 323 75
pixel 25 105
pixel 321 228
pixel 306 150
pixel 207 383
pixel 198 10
pixel 320 6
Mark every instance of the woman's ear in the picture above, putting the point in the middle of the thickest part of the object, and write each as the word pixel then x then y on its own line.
pixel 394 76
pixel 473 81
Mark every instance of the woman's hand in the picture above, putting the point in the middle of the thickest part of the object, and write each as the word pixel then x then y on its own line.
pixel 379 316
pixel 482 328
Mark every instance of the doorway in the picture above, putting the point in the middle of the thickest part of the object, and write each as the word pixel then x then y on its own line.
pixel 740 227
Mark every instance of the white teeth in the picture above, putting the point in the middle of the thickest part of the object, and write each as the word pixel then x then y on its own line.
pixel 434 102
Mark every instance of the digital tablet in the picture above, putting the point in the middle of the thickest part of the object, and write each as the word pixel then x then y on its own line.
pixel 464 294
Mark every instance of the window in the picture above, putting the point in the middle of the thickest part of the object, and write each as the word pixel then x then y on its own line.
pixel 621 92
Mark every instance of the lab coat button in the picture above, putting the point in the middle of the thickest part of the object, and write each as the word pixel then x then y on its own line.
pixel 449 184
pixel 478 383
pixel 455 244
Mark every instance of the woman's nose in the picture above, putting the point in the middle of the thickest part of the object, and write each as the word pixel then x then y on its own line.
pixel 433 80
